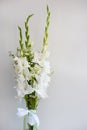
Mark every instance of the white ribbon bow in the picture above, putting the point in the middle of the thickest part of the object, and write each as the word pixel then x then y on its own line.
pixel 33 118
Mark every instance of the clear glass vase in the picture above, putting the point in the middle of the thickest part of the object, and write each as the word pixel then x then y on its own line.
pixel 27 126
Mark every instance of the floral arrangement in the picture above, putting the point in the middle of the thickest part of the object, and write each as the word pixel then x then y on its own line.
pixel 32 72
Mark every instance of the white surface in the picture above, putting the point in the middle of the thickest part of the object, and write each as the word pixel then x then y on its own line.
pixel 66 107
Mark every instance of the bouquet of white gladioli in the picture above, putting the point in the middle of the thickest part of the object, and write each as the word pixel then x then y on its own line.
pixel 32 70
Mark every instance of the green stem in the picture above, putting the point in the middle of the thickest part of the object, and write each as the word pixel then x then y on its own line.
pixel 24 123
pixel 21 41
pixel 32 127
pixel 27 42
pixel 45 42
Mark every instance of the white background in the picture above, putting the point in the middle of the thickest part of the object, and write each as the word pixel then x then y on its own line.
pixel 66 107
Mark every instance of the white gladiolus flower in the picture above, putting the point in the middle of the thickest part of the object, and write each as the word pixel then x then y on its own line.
pixel 21 66
pixel 40 57
pixel 42 86
pixel 23 88
pixel 46 67
pixel 44 75
pixel 41 93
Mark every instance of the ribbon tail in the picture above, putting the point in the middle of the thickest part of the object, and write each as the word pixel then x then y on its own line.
pixel 36 120
pixel 33 119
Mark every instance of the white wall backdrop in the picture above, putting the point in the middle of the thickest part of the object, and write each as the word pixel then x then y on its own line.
pixel 66 107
